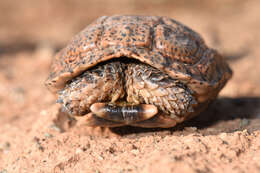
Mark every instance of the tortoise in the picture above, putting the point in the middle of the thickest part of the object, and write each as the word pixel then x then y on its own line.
pixel 145 71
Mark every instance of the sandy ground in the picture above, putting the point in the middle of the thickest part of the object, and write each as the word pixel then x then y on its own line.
pixel 36 137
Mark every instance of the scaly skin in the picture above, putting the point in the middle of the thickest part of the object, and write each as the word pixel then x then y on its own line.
pixel 104 83
pixel 132 82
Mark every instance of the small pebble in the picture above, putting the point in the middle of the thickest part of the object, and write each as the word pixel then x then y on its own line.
pixel 56 128
pixel 136 152
pixel 78 150
pixel 43 112
pixel 48 135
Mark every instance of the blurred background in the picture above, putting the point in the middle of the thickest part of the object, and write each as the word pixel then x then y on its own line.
pixel 29 22
pixel 32 31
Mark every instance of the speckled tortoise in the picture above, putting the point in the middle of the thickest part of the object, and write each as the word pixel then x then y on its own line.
pixel 145 71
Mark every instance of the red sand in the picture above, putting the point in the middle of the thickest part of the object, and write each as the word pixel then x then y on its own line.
pixel 35 137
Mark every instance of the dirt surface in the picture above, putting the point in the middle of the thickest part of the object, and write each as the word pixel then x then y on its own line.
pixel 37 137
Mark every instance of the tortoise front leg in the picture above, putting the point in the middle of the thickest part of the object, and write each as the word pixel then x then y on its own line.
pixel 102 83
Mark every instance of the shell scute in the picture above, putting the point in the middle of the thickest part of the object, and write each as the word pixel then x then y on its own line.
pixel 176 45
pixel 160 42
pixel 126 35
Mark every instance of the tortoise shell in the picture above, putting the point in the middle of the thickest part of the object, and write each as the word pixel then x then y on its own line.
pixel 160 42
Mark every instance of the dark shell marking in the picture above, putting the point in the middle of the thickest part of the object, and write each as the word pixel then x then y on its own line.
pixel 171 48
